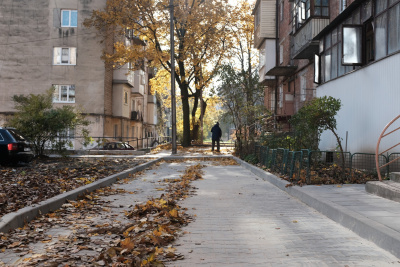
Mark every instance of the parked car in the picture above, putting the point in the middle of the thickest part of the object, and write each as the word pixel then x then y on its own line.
pixel 118 146
pixel 14 147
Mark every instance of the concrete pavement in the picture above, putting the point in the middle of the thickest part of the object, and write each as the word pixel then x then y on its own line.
pixel 243 220
pixel 248 217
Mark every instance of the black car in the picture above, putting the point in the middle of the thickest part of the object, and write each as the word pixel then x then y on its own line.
pixel 14 147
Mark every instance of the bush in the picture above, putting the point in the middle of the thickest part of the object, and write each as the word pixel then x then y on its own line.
pixel 44 125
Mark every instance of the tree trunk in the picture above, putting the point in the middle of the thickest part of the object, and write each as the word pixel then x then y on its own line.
pixel 186 117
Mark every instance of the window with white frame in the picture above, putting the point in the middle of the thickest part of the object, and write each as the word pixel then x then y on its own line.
pixel 126 98
pixel 68 133
pixel 303 84
pixel 280 100
pixel 64 56
pixel 69 18
pixel 64 93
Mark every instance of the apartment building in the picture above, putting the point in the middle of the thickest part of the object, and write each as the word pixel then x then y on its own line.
pixel 45 44
pixel 345 49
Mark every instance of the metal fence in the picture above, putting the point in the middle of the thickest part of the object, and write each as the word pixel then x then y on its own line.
pixel 98 142
pixel 303 165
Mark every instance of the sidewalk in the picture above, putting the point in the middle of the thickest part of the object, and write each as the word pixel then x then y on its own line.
pixel 242 220
pixel 374 218
pixel 248 217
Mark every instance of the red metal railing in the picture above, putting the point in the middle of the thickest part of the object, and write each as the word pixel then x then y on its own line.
pixel 377 154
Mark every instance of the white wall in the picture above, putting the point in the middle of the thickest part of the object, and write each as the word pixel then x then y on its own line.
pixel 370 100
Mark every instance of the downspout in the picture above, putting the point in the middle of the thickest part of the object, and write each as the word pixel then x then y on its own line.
pixel 276 57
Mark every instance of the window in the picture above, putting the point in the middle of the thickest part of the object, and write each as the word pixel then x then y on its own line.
pixel 380 36
pixel 343 5
pixel 281 9
pixel 280 97
pixel 394 29
pixel 64 56
pixel 303 84
pixel 302 10
pixel 321 8
pixel 115 130
pixel 317 66
pixel 272 101
pixel 67 134
pixel 125 97
pixel 64 94
pixel 352 50
pixel 69 18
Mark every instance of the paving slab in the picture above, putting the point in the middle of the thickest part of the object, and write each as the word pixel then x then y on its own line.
pixel 349 205
pixel 248 217
pixel 243 220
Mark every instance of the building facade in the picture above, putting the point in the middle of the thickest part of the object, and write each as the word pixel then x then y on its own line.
pixel 46 45
pixel 345 49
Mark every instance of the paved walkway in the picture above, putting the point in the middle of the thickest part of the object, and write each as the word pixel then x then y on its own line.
pixel 242 220
pixel 248 217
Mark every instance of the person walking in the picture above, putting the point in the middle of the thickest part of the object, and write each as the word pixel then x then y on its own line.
pixel 216 136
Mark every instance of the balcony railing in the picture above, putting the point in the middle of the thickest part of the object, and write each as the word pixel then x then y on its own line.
pixel 151 99
pixel 304 46
pixel 120 76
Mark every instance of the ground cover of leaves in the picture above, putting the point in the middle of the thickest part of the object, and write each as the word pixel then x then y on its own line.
pixel 96 231
pixel 29 184
pixel 325 174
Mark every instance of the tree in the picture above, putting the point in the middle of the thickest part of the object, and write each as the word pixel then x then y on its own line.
pixel 37 119
pixel 242 96
pixel 240 90
pixel 202 37
pixel 315 117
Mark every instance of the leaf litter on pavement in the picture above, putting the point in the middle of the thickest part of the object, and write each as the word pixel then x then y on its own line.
pixel 26 185
pixel 143 238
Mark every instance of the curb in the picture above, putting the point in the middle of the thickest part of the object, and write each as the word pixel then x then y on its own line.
pixel 17 219
pixel 385 189
pixel 383 236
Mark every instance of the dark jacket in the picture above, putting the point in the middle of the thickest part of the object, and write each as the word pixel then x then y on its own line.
pixel 216 132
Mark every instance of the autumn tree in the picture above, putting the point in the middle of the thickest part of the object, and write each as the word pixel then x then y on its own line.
pixel 240 91
pixel 202 36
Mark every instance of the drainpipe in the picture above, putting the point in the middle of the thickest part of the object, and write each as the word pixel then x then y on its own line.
pixel 276 53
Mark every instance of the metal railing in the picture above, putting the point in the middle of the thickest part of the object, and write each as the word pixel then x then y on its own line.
pixel 302 166
pixel 377 154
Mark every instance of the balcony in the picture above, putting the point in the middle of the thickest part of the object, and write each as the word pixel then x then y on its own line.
pixel 304 46
pixel 136 115
pixel 138 90
pixel 267 61
pixel 140 83
pixel 120 76
pixel 151 99
pixel 265 21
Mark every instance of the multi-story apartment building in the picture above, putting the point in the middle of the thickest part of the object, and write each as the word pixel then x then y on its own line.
pixel 345 49
pixel 44 44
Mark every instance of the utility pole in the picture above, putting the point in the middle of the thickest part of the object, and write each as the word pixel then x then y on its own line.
pixel 173 101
